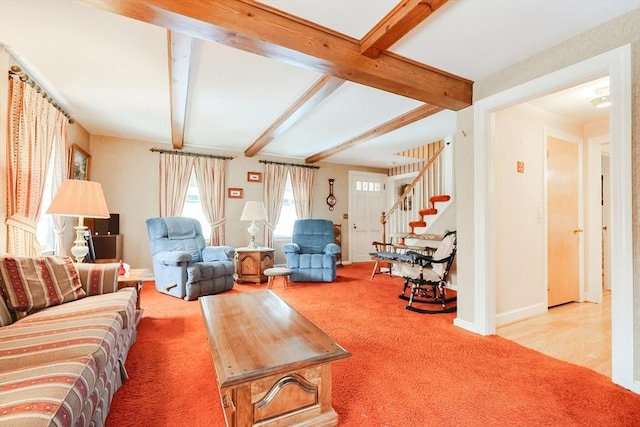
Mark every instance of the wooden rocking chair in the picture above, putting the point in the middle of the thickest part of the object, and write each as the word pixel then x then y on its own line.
pixel 426 278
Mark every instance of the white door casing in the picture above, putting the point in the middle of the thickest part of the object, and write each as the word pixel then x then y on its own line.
pixel 366 203
pixel 595 221
pixel 606 209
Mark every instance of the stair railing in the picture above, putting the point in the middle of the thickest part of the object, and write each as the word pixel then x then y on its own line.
pixel 428 183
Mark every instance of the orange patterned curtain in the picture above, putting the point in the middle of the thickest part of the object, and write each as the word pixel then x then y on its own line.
pixel 33 122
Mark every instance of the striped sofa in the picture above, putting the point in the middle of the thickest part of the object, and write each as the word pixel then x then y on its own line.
pixel 65 332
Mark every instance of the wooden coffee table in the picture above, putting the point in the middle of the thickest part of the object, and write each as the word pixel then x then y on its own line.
pixel 273 366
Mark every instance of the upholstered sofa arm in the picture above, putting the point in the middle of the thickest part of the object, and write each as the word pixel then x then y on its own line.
pixel 291 248
pixel 332 249
pixel 218 253
pixel 98 279
pixel 172 258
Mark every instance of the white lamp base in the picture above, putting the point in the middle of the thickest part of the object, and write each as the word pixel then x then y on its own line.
pixel 80 250
pixel 253 230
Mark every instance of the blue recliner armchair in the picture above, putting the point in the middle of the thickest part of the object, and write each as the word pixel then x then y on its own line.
pixel 311 255
pixel 182 265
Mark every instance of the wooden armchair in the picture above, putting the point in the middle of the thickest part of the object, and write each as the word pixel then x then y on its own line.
pixel 382 265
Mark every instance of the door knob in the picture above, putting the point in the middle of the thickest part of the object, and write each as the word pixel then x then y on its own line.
pixel 354 226
pixel 578 230
pixel 605 228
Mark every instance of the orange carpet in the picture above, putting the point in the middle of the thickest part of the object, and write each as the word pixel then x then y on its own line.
pixel 407 369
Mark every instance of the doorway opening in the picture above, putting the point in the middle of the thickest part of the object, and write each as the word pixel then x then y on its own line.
pixel 616 64
pixel 565 319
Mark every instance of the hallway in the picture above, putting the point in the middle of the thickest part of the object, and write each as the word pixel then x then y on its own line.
pixel 578 333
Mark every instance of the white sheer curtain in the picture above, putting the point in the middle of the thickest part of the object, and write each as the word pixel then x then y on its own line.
pixel 175 172
pixel 275 178
pixel 302 184
pixel 60 171
pixel 33 122
pixel 210 174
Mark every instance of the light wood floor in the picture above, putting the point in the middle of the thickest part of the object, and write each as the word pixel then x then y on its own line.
pixel 578 333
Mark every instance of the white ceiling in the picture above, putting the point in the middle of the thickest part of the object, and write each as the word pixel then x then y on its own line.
pixel 111 72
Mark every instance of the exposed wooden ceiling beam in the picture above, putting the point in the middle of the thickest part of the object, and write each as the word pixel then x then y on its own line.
pixel 307 102
pixel 179 60
pixel 402 19
pixel 258 28
pixel 393 124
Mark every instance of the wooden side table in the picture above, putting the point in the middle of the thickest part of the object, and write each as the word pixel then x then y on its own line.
pixel 252 263
pixel 133 280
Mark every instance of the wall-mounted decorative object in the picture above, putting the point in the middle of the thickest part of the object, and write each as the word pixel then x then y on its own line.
pixel 235 193
pixel 80 163
pixel 331 200
pixel 407 203
pixel 254 176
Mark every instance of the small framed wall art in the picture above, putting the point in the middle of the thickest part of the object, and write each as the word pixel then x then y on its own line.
pixel 235 193
pixel 254 176
pixel 80 163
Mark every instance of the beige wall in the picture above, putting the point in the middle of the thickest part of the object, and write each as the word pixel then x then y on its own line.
pixel 128 172
pixel 618 32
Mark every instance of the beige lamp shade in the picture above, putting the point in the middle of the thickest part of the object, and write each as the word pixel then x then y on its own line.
pixel 253 211
pixel 79 198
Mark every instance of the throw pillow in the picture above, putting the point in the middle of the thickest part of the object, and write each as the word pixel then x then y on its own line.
pixel 6 315
pixel 98 279
pixel 31 284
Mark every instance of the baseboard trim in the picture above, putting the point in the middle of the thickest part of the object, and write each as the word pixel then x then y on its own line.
pixel 520 314
pixel 464 324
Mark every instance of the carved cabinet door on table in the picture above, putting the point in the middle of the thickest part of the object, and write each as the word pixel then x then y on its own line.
pixel 252 263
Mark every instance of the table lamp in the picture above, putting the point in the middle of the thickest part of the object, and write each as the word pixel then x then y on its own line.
pixel 253 211
pixel 83 199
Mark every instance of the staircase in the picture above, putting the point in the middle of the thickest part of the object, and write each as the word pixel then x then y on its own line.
pixel 421 223
pixel 407 226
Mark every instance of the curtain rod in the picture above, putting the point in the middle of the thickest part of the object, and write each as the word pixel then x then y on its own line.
pixel 15 71
pixel 289 164
pixel 186 153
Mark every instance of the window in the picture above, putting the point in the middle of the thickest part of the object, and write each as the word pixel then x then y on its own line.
pixel 44 231
pixel 288 216
pixel 192 207
pixel 367 186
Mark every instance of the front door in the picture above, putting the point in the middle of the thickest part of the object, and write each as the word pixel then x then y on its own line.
pixel 563 228
pixel 366 203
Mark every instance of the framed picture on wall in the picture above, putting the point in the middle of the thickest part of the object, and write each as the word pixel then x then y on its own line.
pixel 80 162
pixel 235 193
pixel 254 176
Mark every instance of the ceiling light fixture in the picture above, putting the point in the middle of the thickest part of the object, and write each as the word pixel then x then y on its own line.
pixel 602 99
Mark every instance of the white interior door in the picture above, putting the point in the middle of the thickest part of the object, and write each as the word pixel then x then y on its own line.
pixel 366 203
pixel 564 230
pixel 606 207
